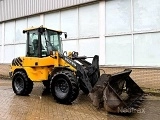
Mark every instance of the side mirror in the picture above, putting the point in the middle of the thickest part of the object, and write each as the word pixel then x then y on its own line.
pixel 65 35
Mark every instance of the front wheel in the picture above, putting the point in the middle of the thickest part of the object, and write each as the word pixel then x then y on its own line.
pixel 21 84
pixel 64 87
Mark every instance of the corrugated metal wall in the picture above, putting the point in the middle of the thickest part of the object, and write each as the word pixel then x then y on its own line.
pixel 10 9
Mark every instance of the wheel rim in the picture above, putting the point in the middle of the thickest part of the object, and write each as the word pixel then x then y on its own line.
pixel 19 84
pixel 61 88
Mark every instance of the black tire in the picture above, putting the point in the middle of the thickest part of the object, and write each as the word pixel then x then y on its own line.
pixel 21 84
pixel 64 87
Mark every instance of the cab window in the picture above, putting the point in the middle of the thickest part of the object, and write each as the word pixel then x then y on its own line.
pixel 33 44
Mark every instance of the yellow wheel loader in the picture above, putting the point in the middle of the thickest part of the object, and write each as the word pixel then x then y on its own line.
pixel 64 74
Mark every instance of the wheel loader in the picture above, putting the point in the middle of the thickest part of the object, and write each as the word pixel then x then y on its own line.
pixel 65 74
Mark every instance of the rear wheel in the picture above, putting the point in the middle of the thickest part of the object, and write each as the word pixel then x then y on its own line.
pixel 64 87
pixel 21 84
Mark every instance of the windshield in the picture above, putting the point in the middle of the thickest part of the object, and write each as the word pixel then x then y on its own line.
pixel 54 41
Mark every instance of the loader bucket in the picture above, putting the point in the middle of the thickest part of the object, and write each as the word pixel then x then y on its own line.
pixel 122 94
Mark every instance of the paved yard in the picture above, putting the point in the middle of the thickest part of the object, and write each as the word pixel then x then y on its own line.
pixel 43 107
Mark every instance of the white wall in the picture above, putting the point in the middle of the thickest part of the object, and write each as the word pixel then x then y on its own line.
pixel 0 34
pixel 132 32
pixel 9 32
pixel 147 49
pixel 89 47
pixel 118 17
pixel 81 23
pixel 118 22
pixel 69 22
pixel 20 25
pixel 33 21
pixel 1 42
pixel 1 54
pixel 52 20
pixel 119 50
pixel 14 40
pixel 122 32
pixel 146 15
pixel 146 20
pixel 88 21
pixel 8 53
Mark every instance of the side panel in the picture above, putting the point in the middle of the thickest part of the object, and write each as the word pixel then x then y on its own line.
pixel 38 69
pixel 34 73
pixel 37 73
pixel 48 61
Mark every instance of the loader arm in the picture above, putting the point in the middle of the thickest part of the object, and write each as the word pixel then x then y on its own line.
pixel 85 72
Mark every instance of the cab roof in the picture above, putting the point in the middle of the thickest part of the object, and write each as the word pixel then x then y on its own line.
pixel 34 28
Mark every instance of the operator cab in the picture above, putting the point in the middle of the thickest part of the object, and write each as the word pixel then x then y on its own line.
pixel 42 41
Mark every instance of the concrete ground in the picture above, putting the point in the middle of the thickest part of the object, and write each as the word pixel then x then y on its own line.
pixel 38 106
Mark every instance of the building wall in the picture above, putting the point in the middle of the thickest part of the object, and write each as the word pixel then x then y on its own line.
pixel 73 20
pixel 144 77
pixel 122 32
pixel 132 32
pixel 10 9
